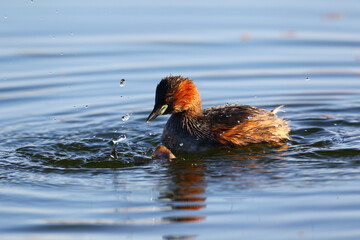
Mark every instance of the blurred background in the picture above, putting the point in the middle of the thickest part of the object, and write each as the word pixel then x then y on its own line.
pixel 77 81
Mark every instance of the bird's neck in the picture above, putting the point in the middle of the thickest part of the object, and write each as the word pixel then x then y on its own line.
pixel 187 99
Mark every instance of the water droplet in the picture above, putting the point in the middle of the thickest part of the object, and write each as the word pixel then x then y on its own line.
pixel 57 11
pixel 307 78
pixel 249 117
pixel 122 82
pixel 32 1
pixel 61 54
pixel 5 17
pixel 238 121
pixel 74 106
pixel 119 139
pixel 181 144
pixel 71 34
pixel 125 117
pixel 86 106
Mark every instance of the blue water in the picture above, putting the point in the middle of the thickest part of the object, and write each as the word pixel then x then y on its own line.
pixel 61 105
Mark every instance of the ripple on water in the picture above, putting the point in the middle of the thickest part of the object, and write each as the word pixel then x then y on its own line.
pixel 68 170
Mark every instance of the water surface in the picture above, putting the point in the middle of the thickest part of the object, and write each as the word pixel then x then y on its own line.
pixel 61 104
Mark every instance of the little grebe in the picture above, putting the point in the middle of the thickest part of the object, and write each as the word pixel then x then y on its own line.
pixel 191 128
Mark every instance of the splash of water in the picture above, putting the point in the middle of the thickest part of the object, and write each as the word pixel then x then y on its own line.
pixel 125 117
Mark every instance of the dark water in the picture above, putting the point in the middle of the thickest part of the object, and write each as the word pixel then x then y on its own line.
pixel 61 104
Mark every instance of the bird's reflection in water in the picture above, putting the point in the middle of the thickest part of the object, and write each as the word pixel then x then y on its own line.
pixel 185 191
